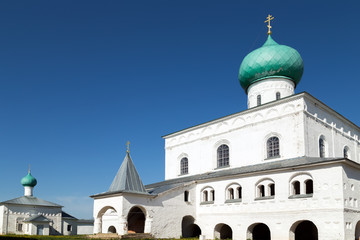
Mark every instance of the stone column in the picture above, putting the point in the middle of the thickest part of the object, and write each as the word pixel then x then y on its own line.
pixel 148 223
pixel 97 225
pixel 123 225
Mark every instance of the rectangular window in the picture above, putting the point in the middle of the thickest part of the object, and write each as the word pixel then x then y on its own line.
pixel 69 228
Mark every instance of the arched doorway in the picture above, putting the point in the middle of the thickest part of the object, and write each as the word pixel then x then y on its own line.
pixel 136 220
pixel 259 231
pixel 303 230
pixel 105 218
pixel 357 231
pixel 111 229
pixel 189 229
pixel 222 231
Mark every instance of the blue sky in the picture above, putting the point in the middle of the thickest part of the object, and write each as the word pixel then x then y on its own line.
pixel 80 78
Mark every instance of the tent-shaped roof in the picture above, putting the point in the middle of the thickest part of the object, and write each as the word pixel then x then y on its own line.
pixel 127 178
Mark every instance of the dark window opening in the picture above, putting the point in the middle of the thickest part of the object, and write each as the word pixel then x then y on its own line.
pixel 309 187
pixel 186 196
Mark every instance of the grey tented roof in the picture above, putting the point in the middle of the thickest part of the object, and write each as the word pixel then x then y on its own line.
pixel 127 178
pixel 30 200
pixel 37 218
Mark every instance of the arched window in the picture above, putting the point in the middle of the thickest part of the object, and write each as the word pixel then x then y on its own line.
pixel 261 191
pixel 239 192
pixel 205 196
pixel 258 98
pixel 346 152
pixel 296 187
pixel 208 195
pixel 309 189
pixel 184 169
pixel 272 189
pixel 273 147
pixel 223 156
pixel 321 147
pixel 212 195
pixel 265 189
pixel 301 184
pixel 277 95
pixel 231 193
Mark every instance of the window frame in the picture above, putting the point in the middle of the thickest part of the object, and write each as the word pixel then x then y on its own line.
pixel 223 156
pixel 273 147
pixel 184 166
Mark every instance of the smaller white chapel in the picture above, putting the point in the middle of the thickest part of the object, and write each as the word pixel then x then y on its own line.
pixel 286 168
pixel 34 216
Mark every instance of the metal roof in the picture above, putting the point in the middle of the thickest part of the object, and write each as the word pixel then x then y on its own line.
pixel 159 187
pixel 66 215
pixel 127 178
pixel 30 200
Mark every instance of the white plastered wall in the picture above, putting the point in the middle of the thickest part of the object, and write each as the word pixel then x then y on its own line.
pixel 245 133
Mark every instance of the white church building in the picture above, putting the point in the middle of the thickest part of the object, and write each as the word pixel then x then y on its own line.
pixel 288 167
pixel 34 216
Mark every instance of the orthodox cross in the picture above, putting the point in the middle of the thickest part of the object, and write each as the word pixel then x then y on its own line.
pixel 269 18
pixel 128 143
pixel 29 168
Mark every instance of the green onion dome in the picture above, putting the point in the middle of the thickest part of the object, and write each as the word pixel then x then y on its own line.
pixel 271 60
pixel 28 181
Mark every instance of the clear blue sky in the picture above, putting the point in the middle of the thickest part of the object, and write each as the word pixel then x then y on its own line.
pixel 80 78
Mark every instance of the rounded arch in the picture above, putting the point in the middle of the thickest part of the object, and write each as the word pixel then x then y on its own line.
pixel 303 230
pixel 111 229
pixel 357 230
pixel 188 227
pixel 322 146
pixel 103 210
pixel 233 191
pixel 222 231
pixel 258 231
pixel 299 174
pixel 264 180
pixel 136 219
pixel 346 152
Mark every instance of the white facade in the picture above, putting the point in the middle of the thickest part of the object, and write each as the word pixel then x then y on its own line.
pixel 288 167
pixel 298 121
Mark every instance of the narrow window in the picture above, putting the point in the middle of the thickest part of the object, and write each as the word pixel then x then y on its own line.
pixel 258 98
pixel 223 156
pixel 296 187
pixel 212 192
pixel 231 193
pixel 261 191
pixel 277 95
pixel 346 152
pixel 186 196
pixel 184 169
pixel 309 189
pixel 205 197
pixel 239 192
pixel 322 148
pixel 69 228
pixel 272 189
pixel 273 147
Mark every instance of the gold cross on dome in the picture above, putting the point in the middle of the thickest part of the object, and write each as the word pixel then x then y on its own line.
pixel 269 18
pixel 128 143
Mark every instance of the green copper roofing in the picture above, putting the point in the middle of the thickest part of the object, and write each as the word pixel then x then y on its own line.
pixel 28 181
pixel 127 178
pixel 271 60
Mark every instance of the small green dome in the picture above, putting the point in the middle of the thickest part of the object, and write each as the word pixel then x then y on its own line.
pixel 28 181
pixel 271 60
